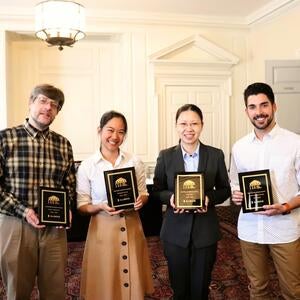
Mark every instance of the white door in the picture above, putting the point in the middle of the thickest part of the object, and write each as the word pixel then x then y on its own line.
pixel 284 77
pixel 288 108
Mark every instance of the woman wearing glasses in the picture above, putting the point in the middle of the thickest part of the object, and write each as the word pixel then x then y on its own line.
pixel 116 263
pixel 190 236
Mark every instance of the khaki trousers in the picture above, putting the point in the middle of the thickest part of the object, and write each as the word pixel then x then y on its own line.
pixel 286 258
pixel 30 255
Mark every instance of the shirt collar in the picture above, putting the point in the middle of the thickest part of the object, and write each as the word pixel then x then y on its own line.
pixel 269 135
pixel 35 132
pixel 98 157
pixel 194 154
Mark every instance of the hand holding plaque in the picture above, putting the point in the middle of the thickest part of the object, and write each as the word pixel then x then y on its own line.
pixel 121 187
pixel 53 209
pixel 189 190
pixel 257 190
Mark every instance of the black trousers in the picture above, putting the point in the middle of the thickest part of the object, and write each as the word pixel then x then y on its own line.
pixel 190 270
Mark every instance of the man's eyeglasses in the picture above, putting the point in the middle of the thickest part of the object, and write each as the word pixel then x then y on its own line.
pixel 42 100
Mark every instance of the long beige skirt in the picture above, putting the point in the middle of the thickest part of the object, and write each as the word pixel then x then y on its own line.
pixel 116 263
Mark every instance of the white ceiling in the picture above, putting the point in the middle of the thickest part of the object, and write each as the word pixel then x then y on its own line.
pixel 246 11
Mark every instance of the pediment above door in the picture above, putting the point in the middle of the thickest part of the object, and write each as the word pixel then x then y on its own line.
pixel 194 50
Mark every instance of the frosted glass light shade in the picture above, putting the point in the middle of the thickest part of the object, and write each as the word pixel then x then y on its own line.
pixel 59 22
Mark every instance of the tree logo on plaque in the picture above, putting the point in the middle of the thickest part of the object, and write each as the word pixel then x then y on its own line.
pixel 255 185
pixel 121 182
pixel 189 185
pixel 53 200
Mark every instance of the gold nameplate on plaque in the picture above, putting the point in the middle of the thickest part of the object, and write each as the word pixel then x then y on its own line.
pixel 189 190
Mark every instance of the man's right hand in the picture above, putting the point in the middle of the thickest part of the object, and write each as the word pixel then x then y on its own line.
pixel 237 197
pixel 32 218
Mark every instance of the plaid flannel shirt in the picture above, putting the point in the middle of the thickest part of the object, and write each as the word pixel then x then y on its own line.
pixel 30 158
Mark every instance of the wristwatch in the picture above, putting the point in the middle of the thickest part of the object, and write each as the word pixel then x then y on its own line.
pixel 287 208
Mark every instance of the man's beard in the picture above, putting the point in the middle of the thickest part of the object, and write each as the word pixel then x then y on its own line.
pixel 265 125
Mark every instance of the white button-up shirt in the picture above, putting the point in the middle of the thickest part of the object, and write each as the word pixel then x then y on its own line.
pixel 90 179
pixel 279 151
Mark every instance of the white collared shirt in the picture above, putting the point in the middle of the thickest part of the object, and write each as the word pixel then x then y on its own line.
pixel 279 151
pixel 90 179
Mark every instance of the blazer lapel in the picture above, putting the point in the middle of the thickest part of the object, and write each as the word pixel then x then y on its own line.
pixel 178 160
pixel 203 157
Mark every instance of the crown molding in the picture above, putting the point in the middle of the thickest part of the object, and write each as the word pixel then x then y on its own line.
pixel 146 18
pixel 14 16
pixel 19 15
pixel 270 10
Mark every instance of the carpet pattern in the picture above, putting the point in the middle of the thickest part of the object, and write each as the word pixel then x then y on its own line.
pixel 229 276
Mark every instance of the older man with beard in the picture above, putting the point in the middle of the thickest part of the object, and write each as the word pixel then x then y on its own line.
pixel 275 231
pixel 32 156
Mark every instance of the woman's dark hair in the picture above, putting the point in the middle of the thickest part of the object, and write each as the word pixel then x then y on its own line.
pixel 191 107
pixel 106 117
pixel 49 91
pixel 259 88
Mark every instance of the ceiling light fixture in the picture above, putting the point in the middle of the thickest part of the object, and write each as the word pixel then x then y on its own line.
pixel 59 22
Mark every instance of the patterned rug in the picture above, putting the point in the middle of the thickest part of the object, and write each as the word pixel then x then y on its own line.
pixel 229 276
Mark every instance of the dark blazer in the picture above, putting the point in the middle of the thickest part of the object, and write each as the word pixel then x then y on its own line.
pixel 202 228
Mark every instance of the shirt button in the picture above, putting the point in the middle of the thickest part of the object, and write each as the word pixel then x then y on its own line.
pixel 122 228
pixel 126 284
pixel 124 243
pixel 125 271
pixel 124 256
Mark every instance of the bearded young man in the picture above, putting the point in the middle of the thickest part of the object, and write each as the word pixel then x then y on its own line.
pixel 275 231
pixel 31 156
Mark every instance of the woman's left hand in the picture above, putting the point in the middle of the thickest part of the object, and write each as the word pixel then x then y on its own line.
pixel 140 202
pixel 204 208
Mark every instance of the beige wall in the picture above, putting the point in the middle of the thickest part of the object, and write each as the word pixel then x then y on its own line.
pixel 275 39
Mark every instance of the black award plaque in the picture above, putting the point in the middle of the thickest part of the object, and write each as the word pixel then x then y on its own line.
pixel 189 190
pixel 53 209
pixel 257 190
pixel 121 187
